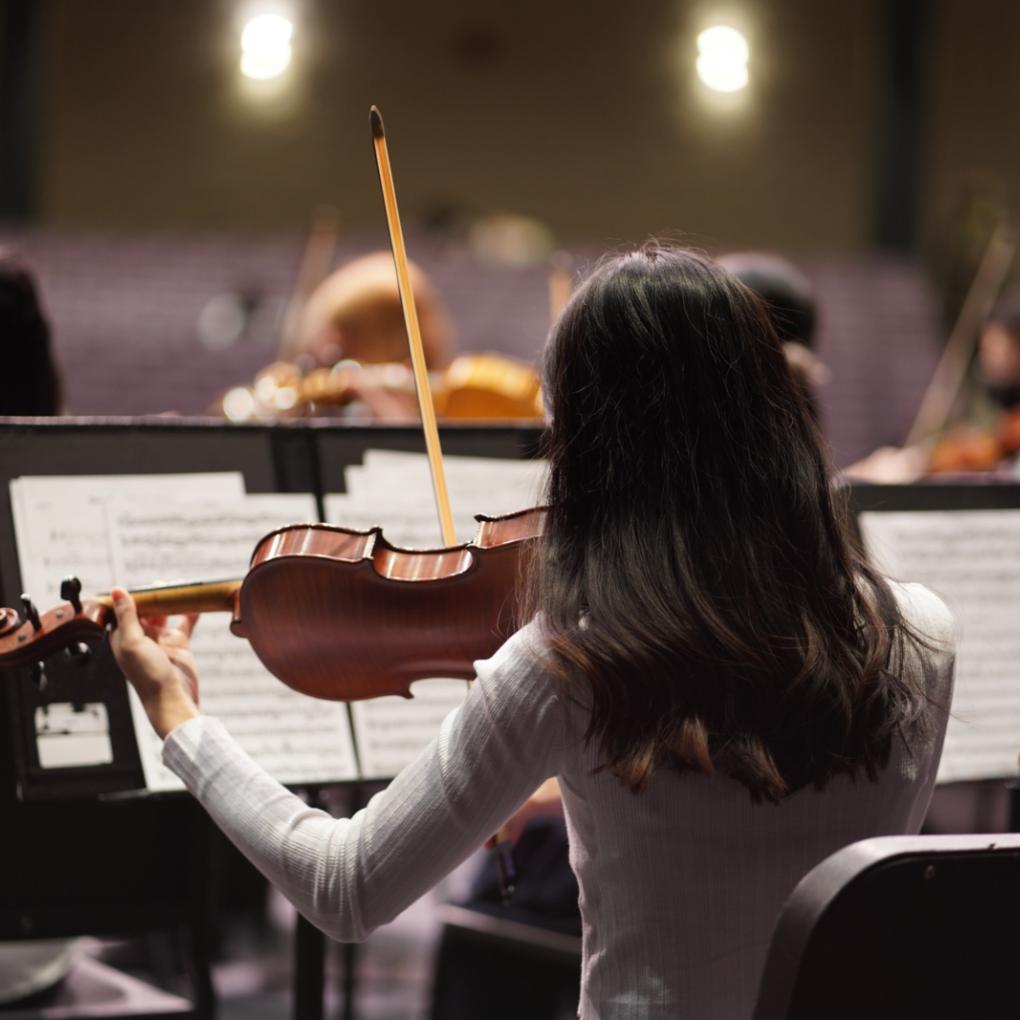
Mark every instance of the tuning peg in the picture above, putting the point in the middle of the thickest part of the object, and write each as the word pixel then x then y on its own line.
pixel 31 613
pixel 39 677
pixel 80 655
pixel 70 591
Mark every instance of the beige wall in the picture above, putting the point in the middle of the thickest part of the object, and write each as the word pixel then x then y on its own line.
pixel 583 114
pixel 972 136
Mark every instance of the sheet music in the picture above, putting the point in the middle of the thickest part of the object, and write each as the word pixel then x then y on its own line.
pixel 394 490
pixel 296 738
pixel 971 558
pixel 60 522
pixel 490 485
pixel 392 731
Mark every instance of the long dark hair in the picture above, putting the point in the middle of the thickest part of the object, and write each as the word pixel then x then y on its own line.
pixel 698 586
pixel 30 382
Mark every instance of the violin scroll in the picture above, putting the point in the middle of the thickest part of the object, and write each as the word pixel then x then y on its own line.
pixel 28 637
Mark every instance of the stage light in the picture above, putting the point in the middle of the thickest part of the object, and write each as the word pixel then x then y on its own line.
pixel 239 404
pixel 722 58
pixel 265 46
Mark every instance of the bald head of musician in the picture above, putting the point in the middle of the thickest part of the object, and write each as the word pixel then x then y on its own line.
pixel 999 351
pixel 356 313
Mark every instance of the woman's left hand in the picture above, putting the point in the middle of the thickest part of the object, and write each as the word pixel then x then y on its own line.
pixel 157 661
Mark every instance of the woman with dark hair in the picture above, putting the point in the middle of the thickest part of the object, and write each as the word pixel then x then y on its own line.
pixel 726 692
pixel 29 382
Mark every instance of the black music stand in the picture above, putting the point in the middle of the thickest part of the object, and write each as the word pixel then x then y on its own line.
pixel 95 888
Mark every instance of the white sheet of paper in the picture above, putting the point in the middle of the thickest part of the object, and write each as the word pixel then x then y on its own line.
pixel 394 490
pixel 392 731
pixel 60 528
pixel 299 740
pixel 489 485
pixel 971 558
pixel 68 738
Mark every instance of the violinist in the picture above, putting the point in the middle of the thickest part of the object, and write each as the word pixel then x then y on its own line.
pixel 355 313
pixel 348 355
pixel 999 358
pixel 348 351
pixel 793 311
pixel 726 692
pixel 989 437
pixel 544 900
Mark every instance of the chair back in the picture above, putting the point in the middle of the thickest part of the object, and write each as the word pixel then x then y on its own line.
pixel 901 927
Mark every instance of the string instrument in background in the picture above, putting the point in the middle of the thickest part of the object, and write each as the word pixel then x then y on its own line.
pixel 320 247
pixel 473 387
pixel 968 447
pixel 932 447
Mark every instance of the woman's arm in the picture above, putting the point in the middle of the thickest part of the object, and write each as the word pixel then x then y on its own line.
pixel 347 876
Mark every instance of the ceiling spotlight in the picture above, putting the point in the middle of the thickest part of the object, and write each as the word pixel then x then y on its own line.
pixel 722 58
pixel 266 46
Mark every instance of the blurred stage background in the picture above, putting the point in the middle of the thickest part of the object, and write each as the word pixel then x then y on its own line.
pixel 157 188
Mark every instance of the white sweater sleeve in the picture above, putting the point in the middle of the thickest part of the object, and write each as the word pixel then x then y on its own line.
pixel 349 875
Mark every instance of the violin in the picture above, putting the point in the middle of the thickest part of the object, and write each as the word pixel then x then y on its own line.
pixel 312 601
pixel 474 387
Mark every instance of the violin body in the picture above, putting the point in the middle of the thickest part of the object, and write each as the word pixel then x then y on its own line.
pixel 313 599
pixel 335 613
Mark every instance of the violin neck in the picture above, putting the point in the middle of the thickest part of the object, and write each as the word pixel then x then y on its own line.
pixel 193 597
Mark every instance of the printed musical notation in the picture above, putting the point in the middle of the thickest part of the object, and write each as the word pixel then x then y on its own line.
pixel 139 530
pixel 142 530
pixel 394 490
pixel 297 739
pixel 971 559
pixel 61 527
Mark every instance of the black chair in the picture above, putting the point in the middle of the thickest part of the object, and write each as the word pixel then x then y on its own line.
pixel 904 928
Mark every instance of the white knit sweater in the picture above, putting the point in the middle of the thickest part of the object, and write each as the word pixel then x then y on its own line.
pixel 680 885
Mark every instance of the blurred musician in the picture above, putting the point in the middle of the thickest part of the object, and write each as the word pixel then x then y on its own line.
pixel 790 300
pixel 29 385
pixel 355 313
pixel 988 438
pixel 347 355
pixel 30 381
pixel 347 352
pixel 999 358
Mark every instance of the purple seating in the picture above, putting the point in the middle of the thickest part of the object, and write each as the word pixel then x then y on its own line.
pixel 126 311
